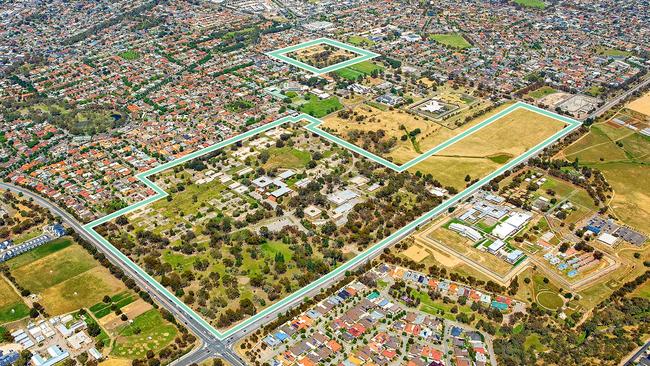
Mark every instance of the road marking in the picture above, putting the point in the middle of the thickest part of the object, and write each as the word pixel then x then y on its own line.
pixel 313 127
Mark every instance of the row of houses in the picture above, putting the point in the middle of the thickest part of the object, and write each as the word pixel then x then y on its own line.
pixel 446 287
pixel 8 250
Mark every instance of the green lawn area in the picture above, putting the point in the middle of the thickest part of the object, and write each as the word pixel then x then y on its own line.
pixel 101 309
pixel 149 331
pixel 549 300
pixel 12 306
pixel 533 342
pixel 38 253
pixel 130 55
pixel 518 328
pixel 271 248
pixel 500 158
pixel 451 40
pixel 435 307
pixel 320 107
pixel 538 4
pixel 359 69
pixel 178 261
pixel 360 41
pixel 613 52
pixel 542 92
pixel 287 157
pixel 594 91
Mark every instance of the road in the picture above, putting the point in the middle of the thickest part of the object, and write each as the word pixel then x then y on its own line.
pixel 210 347
pixel 607 106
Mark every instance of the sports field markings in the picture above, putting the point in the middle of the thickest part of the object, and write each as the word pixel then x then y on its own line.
pixel 313 127
pixel 363 55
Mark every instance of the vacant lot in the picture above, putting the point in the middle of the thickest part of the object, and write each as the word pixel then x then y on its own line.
pixel 489 148
pixel 456 41
pixel 369 119
pixel 321 55
pixel 287 157
pixel 542 92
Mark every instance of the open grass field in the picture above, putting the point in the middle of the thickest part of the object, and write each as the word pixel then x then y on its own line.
pixel 54 268
pixel 321 107
pixel 541 92
pixel 12 306
pixel 608 51
pixel 148 331
pixel 64 275
pixel 359 69
pixel 360 41
pixel 537 4
pixel 80 291
pixel 489 148
pixel 287 157
pixel 130 55
pixel 451 171
pixel 512 134
pixel 623 156
pixel 549 300
pixel 456 41
pixel 641 105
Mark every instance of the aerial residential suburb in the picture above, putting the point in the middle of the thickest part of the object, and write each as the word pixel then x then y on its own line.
pixel 324 182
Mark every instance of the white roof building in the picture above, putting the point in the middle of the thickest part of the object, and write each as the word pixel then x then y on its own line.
pixel 608 239
pixel 466 231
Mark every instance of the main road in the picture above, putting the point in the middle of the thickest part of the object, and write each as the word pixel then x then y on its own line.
pixel 210 346
pixel 610 104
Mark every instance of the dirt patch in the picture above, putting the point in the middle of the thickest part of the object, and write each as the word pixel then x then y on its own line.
pixel 116 362
pixel 641 105
pixel 112 321
pixel 416 253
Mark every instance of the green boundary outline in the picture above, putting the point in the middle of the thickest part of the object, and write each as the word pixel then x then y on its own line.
pixel 281 54
pixel 313 127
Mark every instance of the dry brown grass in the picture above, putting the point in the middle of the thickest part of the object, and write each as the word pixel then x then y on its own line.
pixel 512 134
pixel 416 253
pixel 132 310
pixel 641 105
pixel 451 171
pixel 83 290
